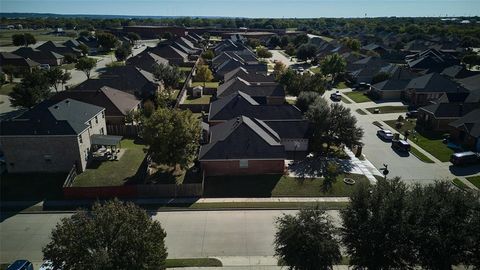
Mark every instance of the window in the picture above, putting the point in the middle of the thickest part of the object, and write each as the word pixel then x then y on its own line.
pixel 80 138
pixel 89 124
pixel 103 114
pixel 96 119
pixel 101 131
pixel 243 163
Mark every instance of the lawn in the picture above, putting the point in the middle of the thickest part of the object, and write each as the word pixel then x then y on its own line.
pixel 360 111
pixel 276 186
pixel 341 85
pixel 205 99
pixel 291 101
pixel 185 69
pixel 7 88
pixel 475 180
pixel 347 101
pixel 420 155
pixel 69 66
pixel 429 141
pixel 31 186
pixel 114 173
pixel 163 174
pixel 193 262
pixel 315 70
pixel 389 109
pixel 457 182
pixel 358 96
pixel 207 84
pixel 40 35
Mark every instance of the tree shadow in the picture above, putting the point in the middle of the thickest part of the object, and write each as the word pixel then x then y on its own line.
pixel 240 186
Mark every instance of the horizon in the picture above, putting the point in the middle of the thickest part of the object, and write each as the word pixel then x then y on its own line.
pixel 248 8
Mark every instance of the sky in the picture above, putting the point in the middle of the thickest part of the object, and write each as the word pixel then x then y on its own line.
pixel 250 8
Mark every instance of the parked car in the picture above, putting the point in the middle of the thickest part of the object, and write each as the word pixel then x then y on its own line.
pixel 364 86
pixel 401 145
pixel 336 96
pixel 412 114
pixel 20 265
pixel 45 66
pixel 465 158
pixel 385 134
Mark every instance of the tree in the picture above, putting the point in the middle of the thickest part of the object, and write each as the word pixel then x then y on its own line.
pixel 208 55
pixel 333 64
pixel 253 43
pixel 107 41
pixel 278 70
pixel 133 36
pixel 84 48
pixel 274 41
pixel 86 65
pixel 173 136
pixel 332 171
pixel 122 52
pixel 167 36
pixel 296 83
pixel 54 76
pixel 70 58
pixel 300 39
pixel 65 78
pixel 204 74
pixel 375 229
pixel 85 33
pixel 306 241
pixel 284 41
pixel 263 52
pixel 440 215
pixel 351 43
pixel 113 235
pixel 2 78
pixel 170 75
pixel 305 99
pixel 33 89
pixel 10 71
pixel 306 51
pixel 471 59
pixel 380 77
pixel 290 50
pixel 23 39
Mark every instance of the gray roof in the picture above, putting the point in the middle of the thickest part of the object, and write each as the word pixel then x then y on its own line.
pixel 67 117
pixel 146 60
pixel 252 89
pixel 470 122
pixel 435 82
pixel 247 75
pixel 291 129
pixel 450 110
pixel 242 138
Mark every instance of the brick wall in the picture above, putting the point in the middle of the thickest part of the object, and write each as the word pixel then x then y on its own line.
pixel 232 167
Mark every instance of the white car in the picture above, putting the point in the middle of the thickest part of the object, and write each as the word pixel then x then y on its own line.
pixel 385 134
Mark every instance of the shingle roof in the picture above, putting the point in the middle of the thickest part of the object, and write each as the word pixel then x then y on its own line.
pixel 242 104
pixel 289 129
pixel 67 117
pixel 242 138
pixel 37 55
pixel 249 76
pixel 252 89
pixel 435 82
pixel 471 123
pixel 450 110
pixel 145 60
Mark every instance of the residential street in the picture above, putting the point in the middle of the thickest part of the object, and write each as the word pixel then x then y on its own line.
pixel 189 233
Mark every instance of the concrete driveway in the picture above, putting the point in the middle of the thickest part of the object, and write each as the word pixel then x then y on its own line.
pixel 278 56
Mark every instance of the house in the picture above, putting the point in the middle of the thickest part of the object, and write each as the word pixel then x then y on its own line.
pixel 118 104
pixel 471 83
pixel 90 42
pixel 438 116
pixel 372 47
pixel 172 54
pixel 61 49
pixel 394 87
pixel 242 145
pixel 458 72
pixel 188 44
pixel 240 103
pixel 18 62
pixel 420 91
pixel 154 31
pixel 365 69
pixel 229 45
pixel 146 61
pixel 264 93
pixel 466 130
pixel 130 79
pixel 430 60
pixel 233 63
pixel 41 57
pixel 51 137
pixel 245 58
pixel 249 75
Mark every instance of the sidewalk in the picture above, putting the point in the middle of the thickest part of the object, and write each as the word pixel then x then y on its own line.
pixel 365 166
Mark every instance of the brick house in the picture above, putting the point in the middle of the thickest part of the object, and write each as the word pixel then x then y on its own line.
pixel 42 57
pixel 466 130
pixel 51 137
pixel 263 93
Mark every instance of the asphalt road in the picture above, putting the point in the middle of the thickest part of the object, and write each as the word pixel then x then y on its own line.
pixel 189 233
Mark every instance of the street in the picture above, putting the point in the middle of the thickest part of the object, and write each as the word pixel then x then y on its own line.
pixel 189 233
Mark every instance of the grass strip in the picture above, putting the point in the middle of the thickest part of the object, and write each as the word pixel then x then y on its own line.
pixel 193 262
pixel 420 155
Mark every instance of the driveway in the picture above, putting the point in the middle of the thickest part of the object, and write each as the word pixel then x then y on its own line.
pixel 278 56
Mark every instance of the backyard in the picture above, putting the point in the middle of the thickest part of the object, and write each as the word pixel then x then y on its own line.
pixel 207 84
pixel 114 173
pixel 429 141
pixel 204 99
pixel 276 186
pixel 358 96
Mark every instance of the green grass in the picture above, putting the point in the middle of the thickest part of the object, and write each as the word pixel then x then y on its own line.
pixel 475 180
pixel 185 69
pixel 276 186
pixel 7 88
pixel 193 262
pixel 315 70
pixel 205 99
pixel 341 85
pixel 358 96
pixel 40 35
pixel 291 101
pixel 345 100
pixel 457 182
pixel 389 109
pixel 31 186
pixel 360 111
pixel 69 66
pixel 207 84
pixel 420 155
pixel 428 141
pixel 114 173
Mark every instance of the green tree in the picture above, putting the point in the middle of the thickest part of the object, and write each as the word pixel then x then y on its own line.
pixel 290 50
pixel 113 235
pixel 305 99
pixel 107 41
pixel 440 215
pixel 173 136
pixel 84 48
pixel 54 76
pixel 170 75
pixel 296 83
pixel 122 52
pixel 274 41
pixel 471 59
pixel 85 33
pixel 380 77
pixel 278 70
pixel 167 36
pixel 307 240
pixel 2 78
pixel 23 39
pixel 333 64
pixel 284 41
pixel 66 76
pixel 263 52
pixel 300 39
pixel 375 229
pixel 33 89
pixel 208 55
pixel 86 65
pixel 204 74
pixel 306 51
pixel 133 36
pixel 332 171
pixel 10 71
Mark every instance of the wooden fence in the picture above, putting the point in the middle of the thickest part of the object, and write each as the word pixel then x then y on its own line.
pixel 123 130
